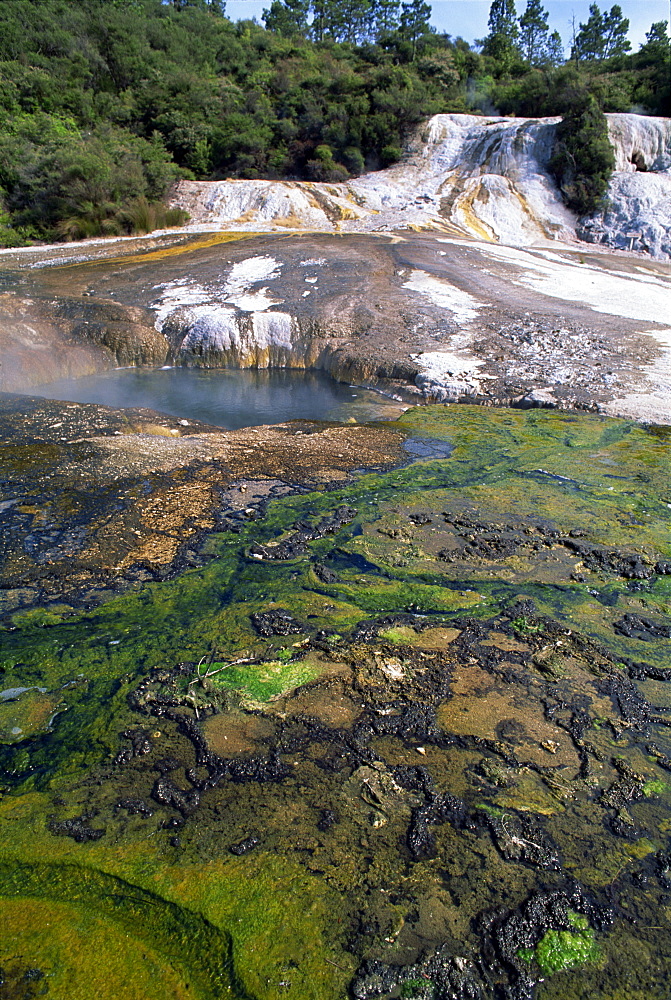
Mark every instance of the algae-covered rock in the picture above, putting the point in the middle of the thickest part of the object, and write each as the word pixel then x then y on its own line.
pixel 24 713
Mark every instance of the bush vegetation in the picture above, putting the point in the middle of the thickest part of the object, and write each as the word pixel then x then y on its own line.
pixel 104 104
pixel 583 157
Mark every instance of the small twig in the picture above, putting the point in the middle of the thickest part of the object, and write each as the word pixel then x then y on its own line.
pixel 198 674
pixel 520 841
pixel 620 870
pixel 231 663
pixel 337 966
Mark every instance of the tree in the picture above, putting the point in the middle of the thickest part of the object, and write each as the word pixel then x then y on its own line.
pixel 217 7
pixel 658 37
pixel 287 17
pixel 554 52
pixel 415 22
pixel 503 19
pixel 184 4
pixel 330 19
pixel 501 42
pixel 534 32
pixel 583 158
pixel 589 41
pixel 615 28
pixel 652 63
pixel 319 13
pixel 384 16
pixel 603 36
pixel 354 20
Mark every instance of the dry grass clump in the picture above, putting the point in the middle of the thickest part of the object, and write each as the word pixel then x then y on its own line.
pixel 136 218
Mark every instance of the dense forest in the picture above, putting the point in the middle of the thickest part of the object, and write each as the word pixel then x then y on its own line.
pixel 105 103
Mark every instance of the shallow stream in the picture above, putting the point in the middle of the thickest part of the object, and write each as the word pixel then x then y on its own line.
pixel 404 736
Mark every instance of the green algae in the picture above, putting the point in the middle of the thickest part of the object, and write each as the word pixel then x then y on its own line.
pixel 274 919
pixel 402 636
pixel 263 681
pixel 494 454
pixel 225 926
pixel 417 988
pixel 558 951
pixel 27 715
pixel 656 787
pixel 182 936
pixel 375 596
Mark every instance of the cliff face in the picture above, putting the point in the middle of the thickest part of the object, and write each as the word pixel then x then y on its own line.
pixel 641 144
pixel 483 177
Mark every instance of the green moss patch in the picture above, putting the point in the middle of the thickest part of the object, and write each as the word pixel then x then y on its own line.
pixel 561 950
pixel 263 681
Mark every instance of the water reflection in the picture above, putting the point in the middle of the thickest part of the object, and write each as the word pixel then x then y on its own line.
pixel 227 398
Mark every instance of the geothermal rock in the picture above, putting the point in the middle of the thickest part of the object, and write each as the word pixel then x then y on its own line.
pixel 483 177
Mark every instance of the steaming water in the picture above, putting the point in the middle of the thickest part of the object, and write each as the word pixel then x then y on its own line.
pixel 226 398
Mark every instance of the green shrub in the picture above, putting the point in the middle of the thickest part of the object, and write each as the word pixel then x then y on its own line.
pixel 583 158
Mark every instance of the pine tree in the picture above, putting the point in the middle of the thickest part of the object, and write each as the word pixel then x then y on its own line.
pixel 384 17
pixel 583 159
pixel 318 27
pixel 554 53
pixel 415 21
pixel 501 42
pixel 323 19
pixel 287 17
pixel 354 20
pixel 615 41
pixel 534 32
pixel 658 36
pixel 589 42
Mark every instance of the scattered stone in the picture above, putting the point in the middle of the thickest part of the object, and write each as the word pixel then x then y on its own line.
pixel 134 807
pixel 325 574
pixel 78 828
pixel 279 621
pixel 439 976
pixel 327 820
pixel 297 544
pixel 167 793
pixel 244 846
pixel 140 744
pixel 537 399
pixel 637 627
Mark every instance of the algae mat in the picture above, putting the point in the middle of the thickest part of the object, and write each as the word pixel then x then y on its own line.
pixel 406 737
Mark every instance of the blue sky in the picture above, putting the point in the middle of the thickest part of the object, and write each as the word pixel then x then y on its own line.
pixel 468 18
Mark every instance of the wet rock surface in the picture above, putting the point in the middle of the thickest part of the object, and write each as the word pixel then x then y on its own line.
pixel 638 627
pixel 67 337
pixel 297 544
pixel 359 784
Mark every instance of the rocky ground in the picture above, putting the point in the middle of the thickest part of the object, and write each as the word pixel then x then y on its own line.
pixel 93 495
pixel 404 734
pixel 96 500
pixel 426 317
